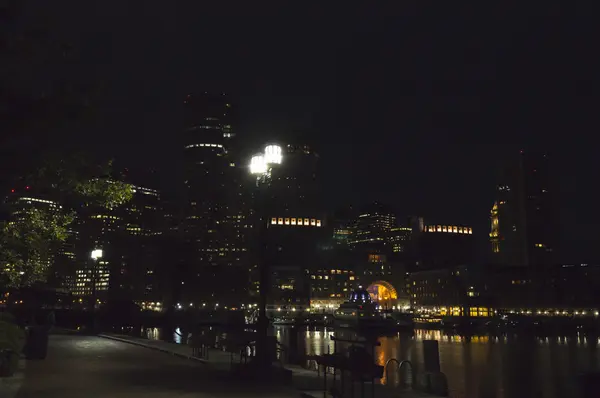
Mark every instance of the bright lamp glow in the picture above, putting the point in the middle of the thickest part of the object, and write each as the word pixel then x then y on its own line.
pixel 273 154
pixel 258 165
pixel 96 254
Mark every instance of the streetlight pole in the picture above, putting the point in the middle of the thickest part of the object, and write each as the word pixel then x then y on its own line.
pixel 95 255
pixel 261 166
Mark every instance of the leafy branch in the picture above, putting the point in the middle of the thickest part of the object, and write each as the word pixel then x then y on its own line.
pixel 30 240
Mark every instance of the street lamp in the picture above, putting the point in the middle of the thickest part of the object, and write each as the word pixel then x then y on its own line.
pixel 95 255
pixel 261 166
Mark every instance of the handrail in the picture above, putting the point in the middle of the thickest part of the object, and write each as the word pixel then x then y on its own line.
pixel 387 363
pixel 411 367
pixel 399 367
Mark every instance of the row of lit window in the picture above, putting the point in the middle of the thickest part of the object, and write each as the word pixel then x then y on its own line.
pixel 145 191
pixel 450 229
pixel 102 216
pixel 204 145
pixel 327 277
pixel 296 221
pixel 29 200
pixel 334 271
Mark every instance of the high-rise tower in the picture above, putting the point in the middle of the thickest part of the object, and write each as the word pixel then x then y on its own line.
pixel 523 217
pixel 214 213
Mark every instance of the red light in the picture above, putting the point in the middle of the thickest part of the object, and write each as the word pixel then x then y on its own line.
pixel 27 187
pixel 12 190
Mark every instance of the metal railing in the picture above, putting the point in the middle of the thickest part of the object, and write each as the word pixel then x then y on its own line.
pixel 406 379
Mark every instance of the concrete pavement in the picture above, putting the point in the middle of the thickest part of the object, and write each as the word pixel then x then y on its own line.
pixel 90 367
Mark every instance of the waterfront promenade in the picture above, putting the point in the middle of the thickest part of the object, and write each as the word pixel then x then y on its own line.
pixel 95 366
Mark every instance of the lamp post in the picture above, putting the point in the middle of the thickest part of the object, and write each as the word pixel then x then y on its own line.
pixel 95 255
pixel 261 166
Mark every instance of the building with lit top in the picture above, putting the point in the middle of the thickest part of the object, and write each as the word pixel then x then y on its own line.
pixel 524 230
pixel 440 246
pixel 399 239
pixel 294 218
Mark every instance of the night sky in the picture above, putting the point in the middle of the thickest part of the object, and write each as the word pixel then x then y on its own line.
pixel 414 106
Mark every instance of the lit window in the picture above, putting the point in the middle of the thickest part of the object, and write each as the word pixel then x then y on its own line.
pixel 287 221
pixel 274 220
pixel 306 221
pixel 460 230
pixel 280 221
pixel 293 220
pixel 439 228
pixel 313 222
pixel 318 223
pixel 455 229
pixel 444 229
pixel 471 231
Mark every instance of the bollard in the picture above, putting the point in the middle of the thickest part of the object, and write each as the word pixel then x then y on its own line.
pixel 431 355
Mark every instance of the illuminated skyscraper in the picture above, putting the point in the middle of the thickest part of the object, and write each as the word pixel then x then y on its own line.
pixel 215 214
pixel 373 227
pixel 523 219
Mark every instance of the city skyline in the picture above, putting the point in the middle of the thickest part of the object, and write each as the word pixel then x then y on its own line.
pixel 419 129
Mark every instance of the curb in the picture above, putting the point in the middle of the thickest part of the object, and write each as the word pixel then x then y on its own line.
pixel 151 347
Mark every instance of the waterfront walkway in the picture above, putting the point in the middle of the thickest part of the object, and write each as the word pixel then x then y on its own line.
pixel 121 366
pixel 309 383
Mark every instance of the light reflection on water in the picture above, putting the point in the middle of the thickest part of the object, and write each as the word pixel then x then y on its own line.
pixel 479 366
pixel 476 367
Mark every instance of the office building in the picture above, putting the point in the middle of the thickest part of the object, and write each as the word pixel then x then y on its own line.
pixel 295 225
pixel 399 239
pixel 126 242
pixel 215 225
pixel 343 223
pixel 372 228
pixel 523 217
pixel 440 246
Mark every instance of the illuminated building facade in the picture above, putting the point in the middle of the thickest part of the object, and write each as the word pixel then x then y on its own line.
pixel 344 221
pixel 523 217
pixel 130 238
pixel 450 292
pixel 332 284
pixel 568 291
pixel 373 227
pixel 295 225
pixel 399 239
pixel 216 226
pixel 385 295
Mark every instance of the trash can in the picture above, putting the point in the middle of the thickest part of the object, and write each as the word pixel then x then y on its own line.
pixel 37 342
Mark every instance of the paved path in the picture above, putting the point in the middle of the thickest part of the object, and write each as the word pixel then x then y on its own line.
pixel 91 367
pixel 308 382
pixel 10 386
